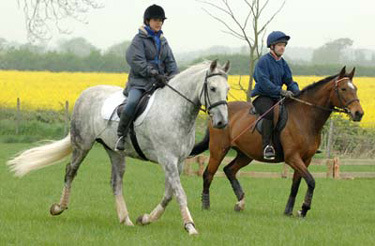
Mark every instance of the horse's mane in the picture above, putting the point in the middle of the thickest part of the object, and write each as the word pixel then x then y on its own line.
pixel 311 88
pixel 195 68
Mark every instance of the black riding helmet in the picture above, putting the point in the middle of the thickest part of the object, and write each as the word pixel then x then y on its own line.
pixel 154 12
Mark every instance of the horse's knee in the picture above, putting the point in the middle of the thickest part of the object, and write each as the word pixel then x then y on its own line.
pixel 311 183
pixel 165 201
pixel 228 171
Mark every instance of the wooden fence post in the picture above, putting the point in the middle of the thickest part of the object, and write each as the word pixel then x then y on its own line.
pixel 284 174
pixel 329 164
pixel 18 116
pixel 329 144
pixel 336 168
pixel 66 126
pixel 201 161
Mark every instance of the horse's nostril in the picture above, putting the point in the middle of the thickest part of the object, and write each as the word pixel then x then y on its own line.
pixel 358 115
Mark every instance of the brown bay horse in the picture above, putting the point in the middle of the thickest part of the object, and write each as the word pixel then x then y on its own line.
pixel 300 138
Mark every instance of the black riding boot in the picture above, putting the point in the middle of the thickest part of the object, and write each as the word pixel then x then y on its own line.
pixel 122 131
pixel 269 151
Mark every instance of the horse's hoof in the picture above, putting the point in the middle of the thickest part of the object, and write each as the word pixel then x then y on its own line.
pixel 239 206
pixel 205 201
pixel 289 214
pixel 127 221
pixel 143 219
pixel 56 209
pixel 300 214
pixel 190 228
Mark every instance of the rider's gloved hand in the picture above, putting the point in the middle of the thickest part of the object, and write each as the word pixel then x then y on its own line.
pixel 153 72
pixel 161 80
pixel 286 94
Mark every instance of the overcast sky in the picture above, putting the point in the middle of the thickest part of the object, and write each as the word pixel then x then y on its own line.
pixel 188 27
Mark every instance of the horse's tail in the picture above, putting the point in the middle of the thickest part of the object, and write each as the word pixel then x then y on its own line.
pixel 202 145
pixel 41 156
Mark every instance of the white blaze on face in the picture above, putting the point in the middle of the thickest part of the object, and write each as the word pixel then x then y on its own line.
pixel 350 84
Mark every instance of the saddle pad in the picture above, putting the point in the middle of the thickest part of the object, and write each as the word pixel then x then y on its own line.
pixel 114 100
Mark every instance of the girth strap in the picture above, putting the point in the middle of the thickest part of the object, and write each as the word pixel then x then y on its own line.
pixel 133 138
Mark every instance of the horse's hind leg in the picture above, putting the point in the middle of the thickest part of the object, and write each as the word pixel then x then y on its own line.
pixel 230 171
pixel 118 170
pixel 71 171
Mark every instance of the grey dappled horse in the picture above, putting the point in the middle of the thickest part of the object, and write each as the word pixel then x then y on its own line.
pixel 166 136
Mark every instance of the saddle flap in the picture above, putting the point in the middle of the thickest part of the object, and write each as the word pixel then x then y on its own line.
pixel 280 117
pixel 141 107
pixel 280 120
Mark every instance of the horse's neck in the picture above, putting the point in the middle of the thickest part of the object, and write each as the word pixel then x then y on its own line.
pixel 189 86
pixel 315 117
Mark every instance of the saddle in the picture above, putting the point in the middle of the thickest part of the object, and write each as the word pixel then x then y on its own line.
pixel 142 105
pixel 280 120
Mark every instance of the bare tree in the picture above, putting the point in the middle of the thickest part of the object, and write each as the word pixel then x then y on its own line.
pixel 42 16
pixel 253 35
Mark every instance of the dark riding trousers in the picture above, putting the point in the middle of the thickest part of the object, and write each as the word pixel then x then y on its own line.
pixel 264 103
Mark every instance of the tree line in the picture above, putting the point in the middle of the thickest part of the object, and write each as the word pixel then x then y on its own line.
pixel 78 55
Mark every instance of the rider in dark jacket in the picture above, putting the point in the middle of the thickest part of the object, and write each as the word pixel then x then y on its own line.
pixel 270 73
pixel 151 62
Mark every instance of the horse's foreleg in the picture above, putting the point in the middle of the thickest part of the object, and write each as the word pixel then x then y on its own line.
pixel 118 170
pixel 230 171
pixel 306 206
pixel 208 175
pixel 71 172
pixel 173 177
pixel 160 208
pixel 172 187
pixel 293 193
pixel 301 167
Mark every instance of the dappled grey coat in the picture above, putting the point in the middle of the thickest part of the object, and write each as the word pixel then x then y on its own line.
pixel 140 57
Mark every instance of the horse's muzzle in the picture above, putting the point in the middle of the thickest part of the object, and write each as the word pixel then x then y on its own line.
pixel 220 124
pixel 357 116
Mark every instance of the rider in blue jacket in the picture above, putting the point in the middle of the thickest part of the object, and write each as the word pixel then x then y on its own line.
pixel 151 62
pixel 270 73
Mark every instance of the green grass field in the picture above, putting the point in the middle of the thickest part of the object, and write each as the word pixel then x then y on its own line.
pixel 342 211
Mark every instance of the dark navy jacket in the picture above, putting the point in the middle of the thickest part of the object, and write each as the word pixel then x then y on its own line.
pixel 143 57
pixel 270 75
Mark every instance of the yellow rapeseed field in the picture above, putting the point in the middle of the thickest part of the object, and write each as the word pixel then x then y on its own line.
pixel 47 90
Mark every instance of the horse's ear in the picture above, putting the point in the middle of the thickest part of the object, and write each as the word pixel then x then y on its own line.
pixel 342 72
pixel 227 66
pixel 213 65
pixel 351 74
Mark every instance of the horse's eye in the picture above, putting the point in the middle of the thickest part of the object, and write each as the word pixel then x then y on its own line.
pixel 343 89
pixel 213 89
